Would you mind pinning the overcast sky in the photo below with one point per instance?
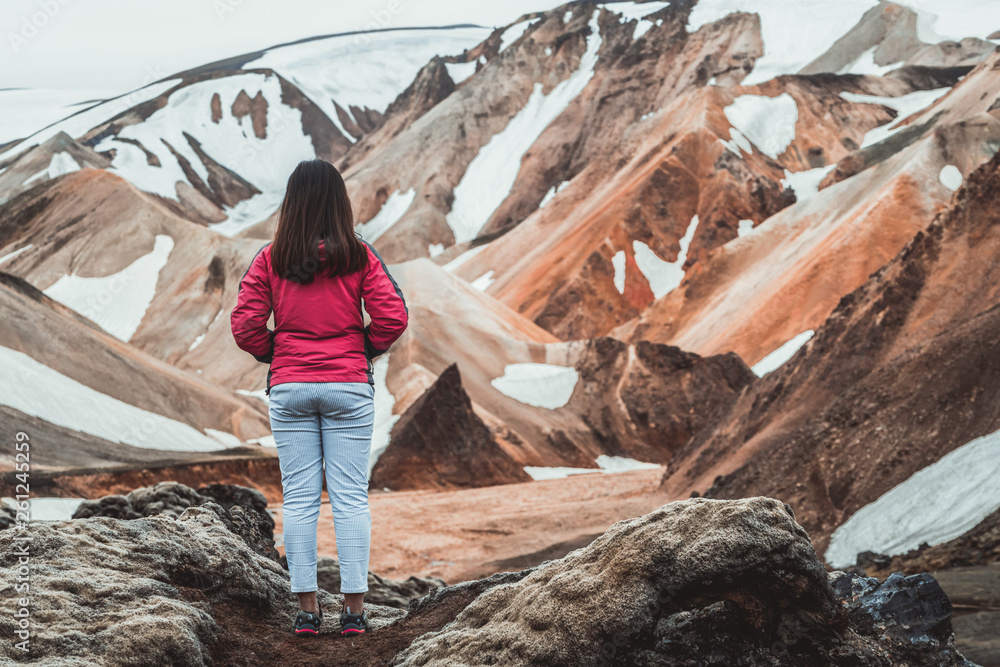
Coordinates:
(115, 44)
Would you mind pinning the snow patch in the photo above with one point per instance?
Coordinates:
(746, 227)
(266, 441)
(197, 341)
(227, 440)
(663, 276)
(491, 174)
(633, 11)
(60, 400)
(369, 72)
(937, 504)
(248, 213)
(12, 255)
(618, 262)
(34, 177)
(642, 27)
(483, 282)
(454, 264)
(954, 20)
(539, 473)
(260, 393)
(459, 72)
(777, 359)
(117, 303)
(606, 464)
(435, 249)
(551, 194)
(905, 105)
(738, 144)
(231, 142)
(806, 183)
(541, 385)
(865, 64)
(48, 508)
(384, 419)
(794, 32)
(622, 464)
(514, 33)
(391, 213)
(768, 122)
(951, 177)
(62, 163)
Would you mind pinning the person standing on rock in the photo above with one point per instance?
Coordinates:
(314, 278)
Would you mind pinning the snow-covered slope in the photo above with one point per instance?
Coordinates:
(218, 142)
(77, 123)
(28, 110)
(937, 504)
(366, 74)
(797, 33)
(65, 402)
(490, 176)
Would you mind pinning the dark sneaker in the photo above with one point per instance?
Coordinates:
(307, 623)
(353, 624)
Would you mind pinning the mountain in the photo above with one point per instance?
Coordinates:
(751, 249)
(216, 143)
(88, 400)
(893, 381)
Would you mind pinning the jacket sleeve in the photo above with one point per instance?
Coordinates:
(253, 308)
(385, 305)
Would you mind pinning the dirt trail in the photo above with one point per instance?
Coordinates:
(472, 533)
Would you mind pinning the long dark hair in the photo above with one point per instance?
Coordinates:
(316, 208)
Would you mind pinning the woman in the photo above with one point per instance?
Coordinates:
(314, 278)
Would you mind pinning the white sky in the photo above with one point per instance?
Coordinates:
(122, 44)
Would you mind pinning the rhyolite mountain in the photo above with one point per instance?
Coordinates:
(630, 235)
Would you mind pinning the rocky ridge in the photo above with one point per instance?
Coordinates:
(695, 581)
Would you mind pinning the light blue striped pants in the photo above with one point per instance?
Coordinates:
(319, 425)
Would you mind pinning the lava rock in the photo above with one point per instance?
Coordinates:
(184, 592)
(170, 498)
(697, 582)
(243, 510)
(388, 592)
(256, 528)
(8, 516)
(228, 495)
(914, 607)
(114, 506)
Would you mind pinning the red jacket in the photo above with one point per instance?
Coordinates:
(319, 333)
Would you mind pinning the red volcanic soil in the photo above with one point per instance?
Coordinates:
(472, 533)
